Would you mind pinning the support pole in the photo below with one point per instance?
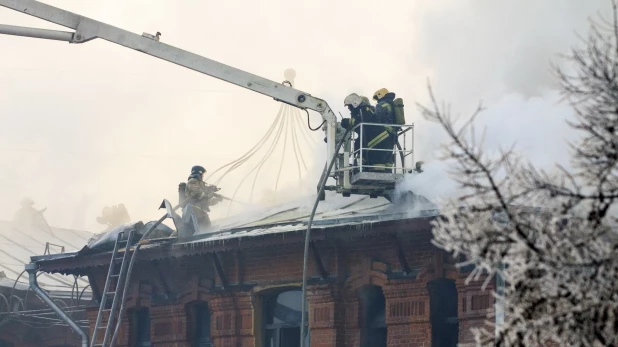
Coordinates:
(321, 186)
(36, 33)
(32, 269)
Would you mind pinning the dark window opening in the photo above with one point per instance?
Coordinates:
(139, 331)
(443, 313)
(480, 302)
(282, 319)
(198, 329)
(372, 316)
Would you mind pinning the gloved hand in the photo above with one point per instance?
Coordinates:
(216, 199)
(345, 123)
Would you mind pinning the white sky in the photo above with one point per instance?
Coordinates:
(98, 124)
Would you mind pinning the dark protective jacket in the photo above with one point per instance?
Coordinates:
(385, 109)
(364, 113)
(385, 137)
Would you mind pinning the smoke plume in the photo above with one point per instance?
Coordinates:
(100, 120)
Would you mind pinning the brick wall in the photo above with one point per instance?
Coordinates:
(475, 307)
(333, 303)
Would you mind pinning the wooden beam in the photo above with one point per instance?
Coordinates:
(318, 260)
(240, 267)
(159, 271)
(217, 263)
(94, 285)
(401, 255)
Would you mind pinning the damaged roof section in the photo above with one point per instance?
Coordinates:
(333, 212)
(19, 243)
(252, 228)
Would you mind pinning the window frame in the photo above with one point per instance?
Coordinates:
(368, 324)
(192, 320)
(136, 328)
(270, 297)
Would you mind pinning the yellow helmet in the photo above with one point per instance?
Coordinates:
(380, 93)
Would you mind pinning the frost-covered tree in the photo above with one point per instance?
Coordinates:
(559, 260)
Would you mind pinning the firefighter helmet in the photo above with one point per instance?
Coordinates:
(380, 93)
(197, 171)
(353, 99)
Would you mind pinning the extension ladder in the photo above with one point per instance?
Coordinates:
(114, 276)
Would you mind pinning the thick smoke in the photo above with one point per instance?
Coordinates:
(500, 54)
(100, 120)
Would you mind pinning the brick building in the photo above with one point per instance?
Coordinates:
(24, 319)
(375, 279)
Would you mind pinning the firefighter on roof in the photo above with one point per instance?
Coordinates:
(200, 196)
(29, 217)
(114, 216)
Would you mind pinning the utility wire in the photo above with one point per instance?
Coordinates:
(262, 161)
(297, 154)
(286, 121)
(309, 123)
(248, 154)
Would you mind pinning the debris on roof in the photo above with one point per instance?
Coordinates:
(335, 211)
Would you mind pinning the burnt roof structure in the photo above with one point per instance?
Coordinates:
(285, 223)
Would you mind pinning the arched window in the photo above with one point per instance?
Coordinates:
(282, 319)
(372, 316)
(139, 329)
(198, 327)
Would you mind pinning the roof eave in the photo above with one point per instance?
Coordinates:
(76, 264)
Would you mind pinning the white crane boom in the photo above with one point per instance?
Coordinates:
(349, 179)
(87, 29)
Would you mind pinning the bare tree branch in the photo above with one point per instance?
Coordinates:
(561, 263)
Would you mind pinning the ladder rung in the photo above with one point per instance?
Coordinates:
(118, 258)
(116, 275)
(112, 293)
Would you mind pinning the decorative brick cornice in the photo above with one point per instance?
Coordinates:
(367, 272)
(407, 310)
(197, 289)
(140, 295)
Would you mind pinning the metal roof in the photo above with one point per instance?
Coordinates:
(17, 245)
(334, 211)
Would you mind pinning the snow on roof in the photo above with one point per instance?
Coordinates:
(17, 245)
(334, 211)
